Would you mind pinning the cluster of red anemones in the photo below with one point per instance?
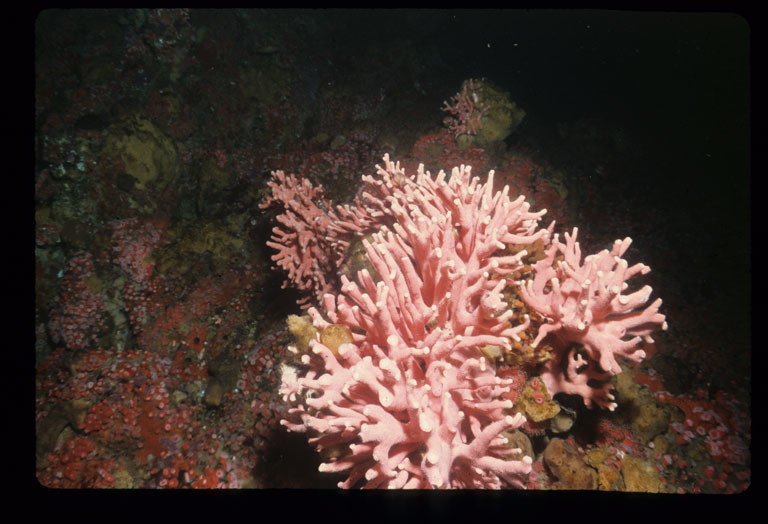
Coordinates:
(133, 416)
(159, 420)
(78, 315)
(539, 477)
(210, 478)
(200, 459)
(679, 470)
(138, 304)
(221, 449)
(164, 333)
(718, 423)
(267, 411)
(611, 434)
(165, 326)
(540, 394)
(129, 387)
(125, 390)
(144, 413)
(70, 458)
(103, 416)
(145, 300)
(212, 293)
(724, 479)
(718, 426)
(133, 241)
(517, 375)
(255, 386)
(78, 464)
(187, 473)
(430, 150)
(208, 457)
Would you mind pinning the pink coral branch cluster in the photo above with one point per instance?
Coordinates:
(303, 248)
(465, 111)
(589, 304)
(312, 242)
(412, 401)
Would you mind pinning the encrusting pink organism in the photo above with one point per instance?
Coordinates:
(586, 305)
(412, 402)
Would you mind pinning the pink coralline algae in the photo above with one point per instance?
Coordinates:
(412, 401)
(588, 304)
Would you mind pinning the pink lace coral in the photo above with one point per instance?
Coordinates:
(409, 400)
(303, 249)
(465, 111)
(412, 401)
(585, 303)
